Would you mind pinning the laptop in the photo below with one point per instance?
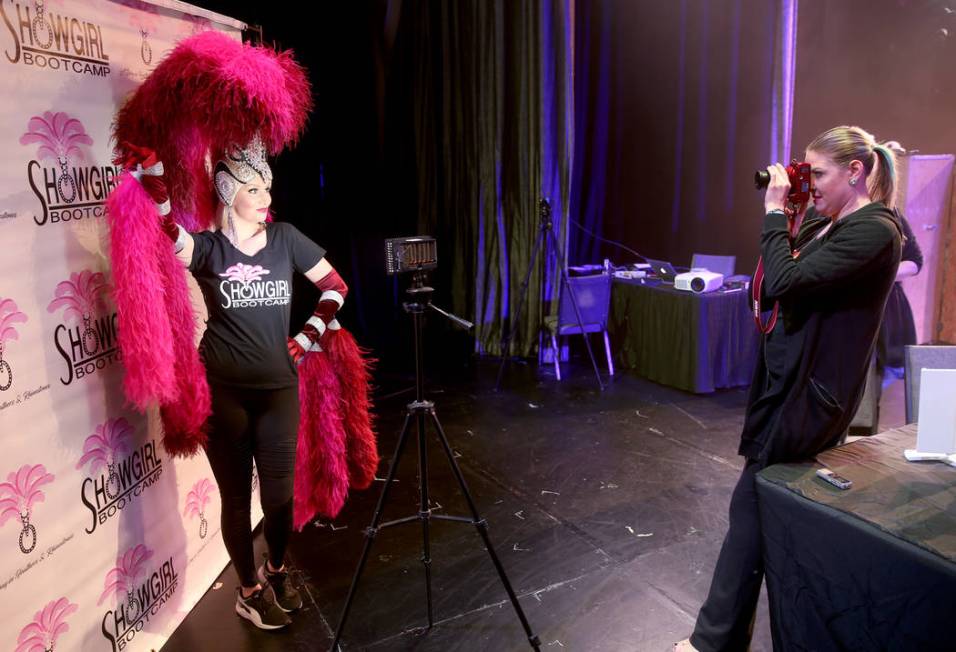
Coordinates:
(662, 269)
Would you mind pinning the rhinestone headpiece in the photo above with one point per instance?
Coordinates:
(239, 167)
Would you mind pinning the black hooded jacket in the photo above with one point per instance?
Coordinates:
(811, 369)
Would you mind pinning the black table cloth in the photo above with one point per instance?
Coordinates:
(870, 568)
(695, 342)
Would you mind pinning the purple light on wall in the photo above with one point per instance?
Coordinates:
(781, 112)
(733, 73)
(556, 132)
(702, 131)
(679, 136)
(504, 266)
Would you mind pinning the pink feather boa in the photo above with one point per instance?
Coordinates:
(155, 319)
(336, 448)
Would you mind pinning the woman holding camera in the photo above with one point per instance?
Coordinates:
(830, 281)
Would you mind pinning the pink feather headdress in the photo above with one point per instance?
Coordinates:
(209, 94)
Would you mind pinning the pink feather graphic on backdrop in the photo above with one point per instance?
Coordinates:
(59, 137)
(18, 495)
(108, 443)
(9, 315)
(82, 296)
(124, 577)
(48, 625)
(245, 274)
(196, 501)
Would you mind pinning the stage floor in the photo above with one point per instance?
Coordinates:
(606, 509)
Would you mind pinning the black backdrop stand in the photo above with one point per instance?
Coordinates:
(545, 233)
(417, 411)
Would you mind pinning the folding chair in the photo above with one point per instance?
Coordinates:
(593, 295)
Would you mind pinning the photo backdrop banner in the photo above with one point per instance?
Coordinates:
(105, 542)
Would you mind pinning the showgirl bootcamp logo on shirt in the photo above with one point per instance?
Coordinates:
(244, 287)
(118, 471)
(18, 495)
(9, 317)
(89, 343)
(44, 37)
(47, 626)
(65, 189)
(140, 591)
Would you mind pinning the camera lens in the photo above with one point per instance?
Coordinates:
(761, 179)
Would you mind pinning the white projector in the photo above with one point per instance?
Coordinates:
(698, 280)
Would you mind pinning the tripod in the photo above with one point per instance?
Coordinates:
(418, 410)
(545, 233)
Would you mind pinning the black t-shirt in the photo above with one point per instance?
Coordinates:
(249, 300)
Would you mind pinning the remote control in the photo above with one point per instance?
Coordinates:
(837, 481)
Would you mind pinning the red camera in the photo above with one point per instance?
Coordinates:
(799, 173)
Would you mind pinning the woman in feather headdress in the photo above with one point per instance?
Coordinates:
(215, 99)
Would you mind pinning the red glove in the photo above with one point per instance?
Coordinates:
(296, 352)
(146, 168)
(334, 291)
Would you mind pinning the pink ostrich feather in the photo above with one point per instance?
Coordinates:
(48, 624)
(145, 332)
(211, 93)
(156, 322)
(352, 369)
(184, 419)
(321, 469)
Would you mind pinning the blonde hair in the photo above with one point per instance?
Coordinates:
(845, 144)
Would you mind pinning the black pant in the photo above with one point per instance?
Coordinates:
(260, 425)
(725, 622)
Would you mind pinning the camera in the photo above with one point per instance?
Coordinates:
(799, 173)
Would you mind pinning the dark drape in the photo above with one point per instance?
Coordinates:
(450, 119)
(476, 97)
(673, 114)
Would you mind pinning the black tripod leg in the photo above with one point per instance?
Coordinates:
(372, 529)
(482, 526)
(522, 299)
(424, 513)
(577, 311)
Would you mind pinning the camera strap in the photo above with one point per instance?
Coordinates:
(758, 284)
(755, 296)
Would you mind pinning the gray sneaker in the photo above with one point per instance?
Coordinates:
(261, 611)
(286, 595)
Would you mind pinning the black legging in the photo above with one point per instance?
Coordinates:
(725, 621)
(255, 424)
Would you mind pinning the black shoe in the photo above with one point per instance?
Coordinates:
(261, 611)
(286, 596)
